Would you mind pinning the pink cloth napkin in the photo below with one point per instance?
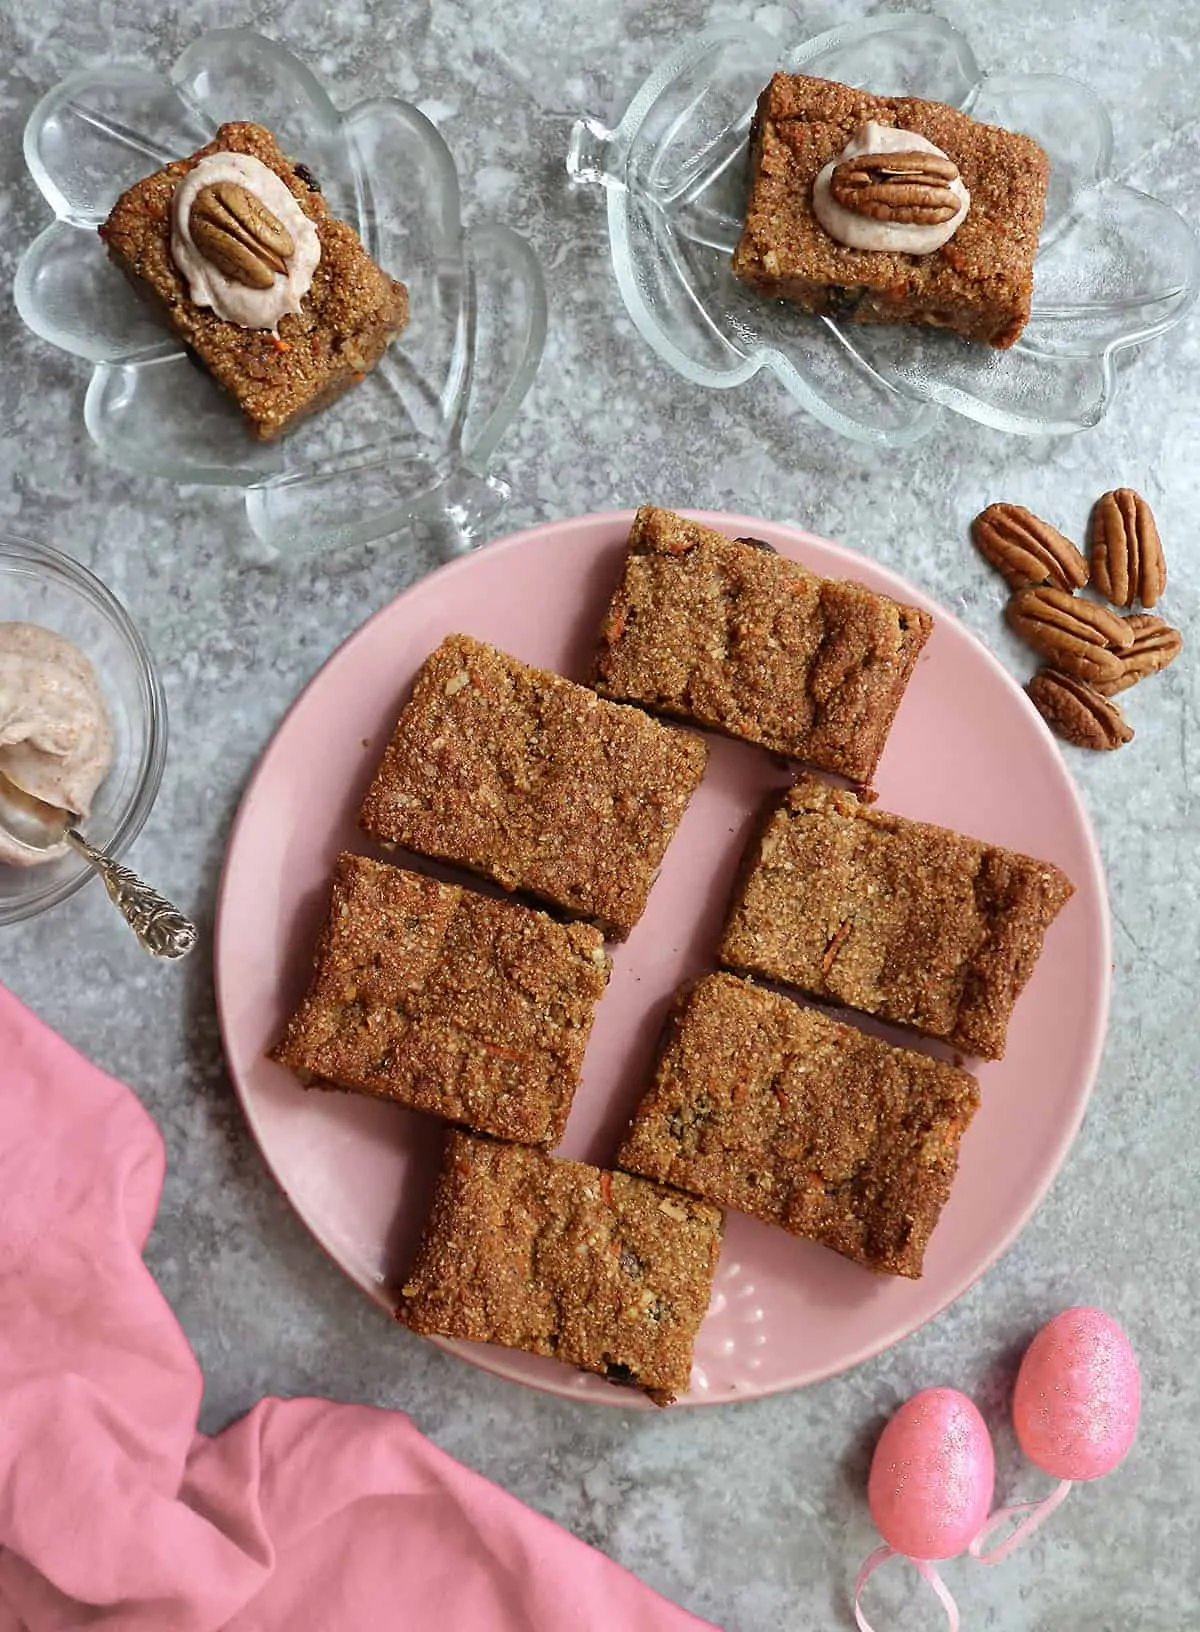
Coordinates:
(115, 1512)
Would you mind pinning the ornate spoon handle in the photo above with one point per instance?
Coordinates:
(160, 928)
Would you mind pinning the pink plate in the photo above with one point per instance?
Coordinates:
(967, 750)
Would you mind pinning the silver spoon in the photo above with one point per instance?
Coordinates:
(160, 928)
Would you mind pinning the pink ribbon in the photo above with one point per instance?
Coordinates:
(924, 1569)
(1035, 1512)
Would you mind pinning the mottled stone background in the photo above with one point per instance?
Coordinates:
(753, 1516)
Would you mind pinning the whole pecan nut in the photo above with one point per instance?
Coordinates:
(1077, 712)
(1025, 550)
(1126, 551)
(1155, 644)
(909, 187)
(1078, 637)
(239, 235)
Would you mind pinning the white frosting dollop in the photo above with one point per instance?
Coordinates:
(56, 737)
(860, 231)
(207, 285)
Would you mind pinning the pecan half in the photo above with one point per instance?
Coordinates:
(908, 187)
(1155, 644)
(1079, 637)
(1126, 551)
(1077, 712)
(238, 233)
(1025, 550)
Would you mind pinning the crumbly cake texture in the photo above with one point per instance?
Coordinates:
(534, 782)
(782, 1113)
(349, 316)
(600, 1270)
(729, 635)
(979, 284)
(448, 1001)
(914, 923)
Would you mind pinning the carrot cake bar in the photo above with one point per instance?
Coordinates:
(729, 635)
(782, 1113)
(600, 1270)
(270, 293)
(534, 782)
(448, 1001)
(914, 923)
(881, 209)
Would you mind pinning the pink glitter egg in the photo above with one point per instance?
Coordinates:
(1078, 1396)
(932, 1475)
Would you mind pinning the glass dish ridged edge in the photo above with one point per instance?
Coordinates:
(1115, 267)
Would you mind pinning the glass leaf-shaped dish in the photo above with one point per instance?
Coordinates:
(1115, 268)
(414, 439)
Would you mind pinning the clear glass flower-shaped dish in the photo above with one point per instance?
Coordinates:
(1115, 268)
(414, 439)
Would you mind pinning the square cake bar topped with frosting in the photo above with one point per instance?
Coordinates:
(877, 209)
(271, 294)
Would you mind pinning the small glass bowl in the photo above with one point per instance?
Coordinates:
(1115, 268)
(414, 439)
(41, 585)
